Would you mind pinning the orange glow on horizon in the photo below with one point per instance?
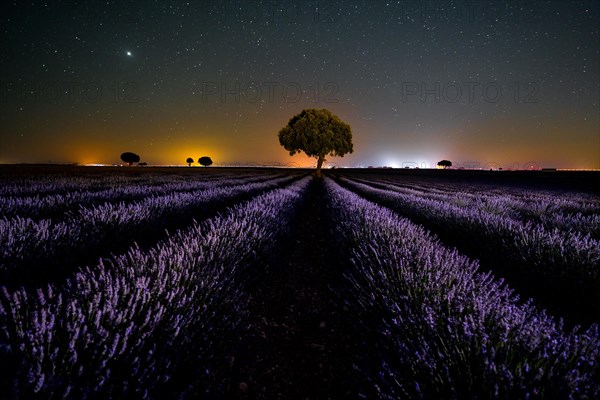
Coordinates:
(509, 143)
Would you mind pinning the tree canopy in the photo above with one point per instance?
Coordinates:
(318, 133)
(205, 161)
(444, 163)
(130, 158)
(189, 161)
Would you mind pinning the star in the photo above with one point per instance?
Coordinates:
(262, 62)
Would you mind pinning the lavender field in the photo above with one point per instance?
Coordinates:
(229, 283)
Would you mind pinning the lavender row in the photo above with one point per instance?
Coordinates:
(443, 329)
(490, 211)
(57, 184)
(529, 200)
(568, 201)
(568, 214)
(148, 323)
(14, 184)
(579, 212)
(55, 205)
(91, 232)
(556, 259)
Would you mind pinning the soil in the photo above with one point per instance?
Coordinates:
(303, 343)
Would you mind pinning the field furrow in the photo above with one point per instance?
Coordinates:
(35, 251)
(577, 214)
(222, 283)
(302, 339)
(150, 323)
(439, 328)
(565, 266)
(56, 206)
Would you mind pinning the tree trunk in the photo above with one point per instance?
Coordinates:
(319, 165)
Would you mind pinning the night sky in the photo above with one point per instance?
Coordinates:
(483, 84)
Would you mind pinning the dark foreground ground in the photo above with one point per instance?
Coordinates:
(303, 343)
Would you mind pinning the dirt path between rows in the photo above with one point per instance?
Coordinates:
(302, 344)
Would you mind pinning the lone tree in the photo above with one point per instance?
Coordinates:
(130, 158)
(318, 133)
(445, 164)
(189, 161)
(205, 161)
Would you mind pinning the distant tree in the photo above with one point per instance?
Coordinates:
(130, 158)
(318, 133)
(444, 163)
(190, 161)
(205, 161)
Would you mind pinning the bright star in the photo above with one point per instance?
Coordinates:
(129, 53)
